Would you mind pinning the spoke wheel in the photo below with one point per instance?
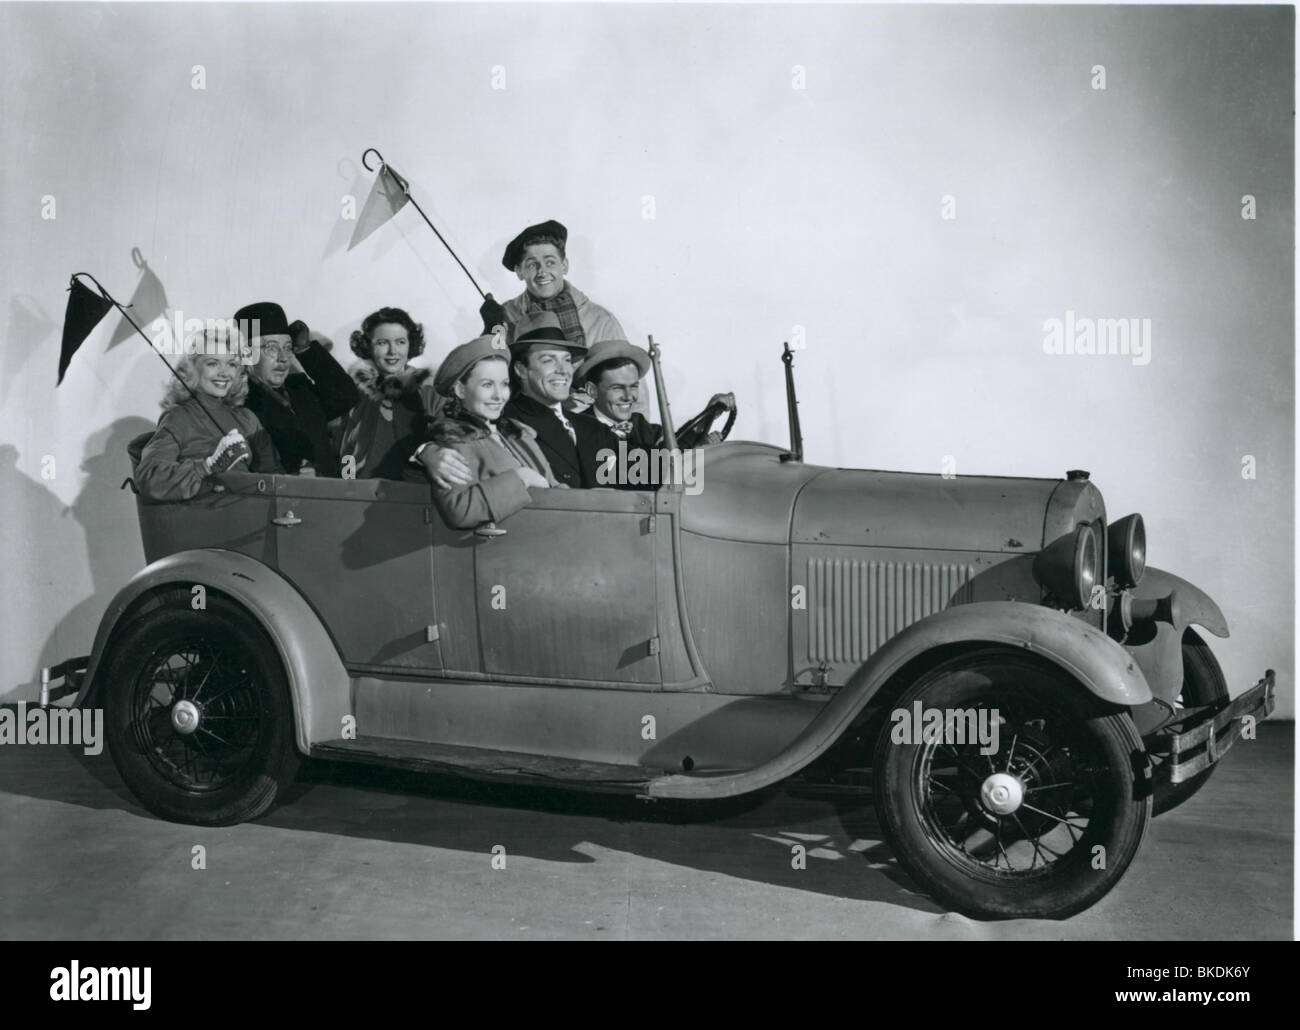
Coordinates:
(1040, 819)
(199, 721)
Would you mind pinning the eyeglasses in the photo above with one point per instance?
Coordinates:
(277, 350)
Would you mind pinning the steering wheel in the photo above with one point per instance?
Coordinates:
(698, 428)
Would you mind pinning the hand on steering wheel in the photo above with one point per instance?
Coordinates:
(697, 429)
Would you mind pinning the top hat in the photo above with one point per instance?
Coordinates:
(266, 317)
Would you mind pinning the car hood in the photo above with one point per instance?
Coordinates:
(747, 493)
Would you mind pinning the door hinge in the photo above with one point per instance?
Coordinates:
(651, 523)
(431, 634)
(428, 516)
(652, 645)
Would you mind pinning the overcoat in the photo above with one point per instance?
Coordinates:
(497, 491)
(171, 465)
(298, 415)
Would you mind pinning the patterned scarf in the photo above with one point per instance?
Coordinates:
(565, 310)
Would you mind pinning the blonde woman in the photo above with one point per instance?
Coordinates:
(187, 450)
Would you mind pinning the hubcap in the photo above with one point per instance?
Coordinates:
(185, 717)
(1002, 793)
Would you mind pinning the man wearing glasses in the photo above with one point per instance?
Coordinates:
(295, 408)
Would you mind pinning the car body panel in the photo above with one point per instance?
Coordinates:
(1099, 664)
(660, 731)
(858, 508)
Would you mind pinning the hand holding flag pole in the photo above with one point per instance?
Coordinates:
(85, 311)
(388, 196)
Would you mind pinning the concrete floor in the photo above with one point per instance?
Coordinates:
(364, 853)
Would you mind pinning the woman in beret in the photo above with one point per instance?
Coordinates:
(396, 402)
(188, 449)
(502, 454)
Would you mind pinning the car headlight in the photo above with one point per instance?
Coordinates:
(1126, 542)
(1069, 567)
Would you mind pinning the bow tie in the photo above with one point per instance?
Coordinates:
(621, 429)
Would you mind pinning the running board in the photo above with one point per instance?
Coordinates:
(484, 764)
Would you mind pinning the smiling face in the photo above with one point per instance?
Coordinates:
(543, 269)
(389, 348)
(218, 374)
(617, 392)
(546, 374)
(275, 361)
(485, 388)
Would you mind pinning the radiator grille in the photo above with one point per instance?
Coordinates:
(854, 606)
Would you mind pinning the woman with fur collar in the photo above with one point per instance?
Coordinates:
(502, 454)
(397, 402)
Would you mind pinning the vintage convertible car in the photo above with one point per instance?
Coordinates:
(786, 620)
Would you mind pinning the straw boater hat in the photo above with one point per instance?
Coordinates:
(608, 350)
(464, 357)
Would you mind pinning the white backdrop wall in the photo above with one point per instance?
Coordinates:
(774, 207)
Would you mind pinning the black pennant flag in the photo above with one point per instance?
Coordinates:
(85, 310)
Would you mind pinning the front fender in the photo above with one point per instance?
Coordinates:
(1193, 605)
(318, 682)
(1103, 668)
(1160, 652)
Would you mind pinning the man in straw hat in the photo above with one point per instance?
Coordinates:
(611, 375)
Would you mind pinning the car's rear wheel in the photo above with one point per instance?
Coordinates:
(1203, 684)
(1042, 826)
(197, 712)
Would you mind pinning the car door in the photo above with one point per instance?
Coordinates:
(568, 593)
(359, 551)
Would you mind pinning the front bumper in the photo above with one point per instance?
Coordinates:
(1201, 736)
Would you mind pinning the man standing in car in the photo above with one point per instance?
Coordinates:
(537, 257)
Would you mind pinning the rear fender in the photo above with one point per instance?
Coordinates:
(1099, 664)
(318, 682)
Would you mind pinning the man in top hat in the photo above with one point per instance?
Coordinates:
(542, 360)
(295, 408)
(611, 375)
(537, 257)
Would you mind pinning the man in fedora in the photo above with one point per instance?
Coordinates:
(611, 375)
(537, 257)
(295, 407)
(541, 363)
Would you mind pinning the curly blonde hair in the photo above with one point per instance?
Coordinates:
(216, 340)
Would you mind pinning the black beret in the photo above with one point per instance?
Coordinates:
(515, 248)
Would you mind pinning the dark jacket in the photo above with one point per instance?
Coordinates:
(297, 416)
(573, 465)
(388, 422)
(497, 491)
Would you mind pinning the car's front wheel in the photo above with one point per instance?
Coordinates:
(197, 712)
(1037, 816)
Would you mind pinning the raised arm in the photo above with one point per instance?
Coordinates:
(337, 390)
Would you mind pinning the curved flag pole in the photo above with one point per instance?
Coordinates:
(85, 321)
(406, 190)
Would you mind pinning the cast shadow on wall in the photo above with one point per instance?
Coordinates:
(99, 534)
